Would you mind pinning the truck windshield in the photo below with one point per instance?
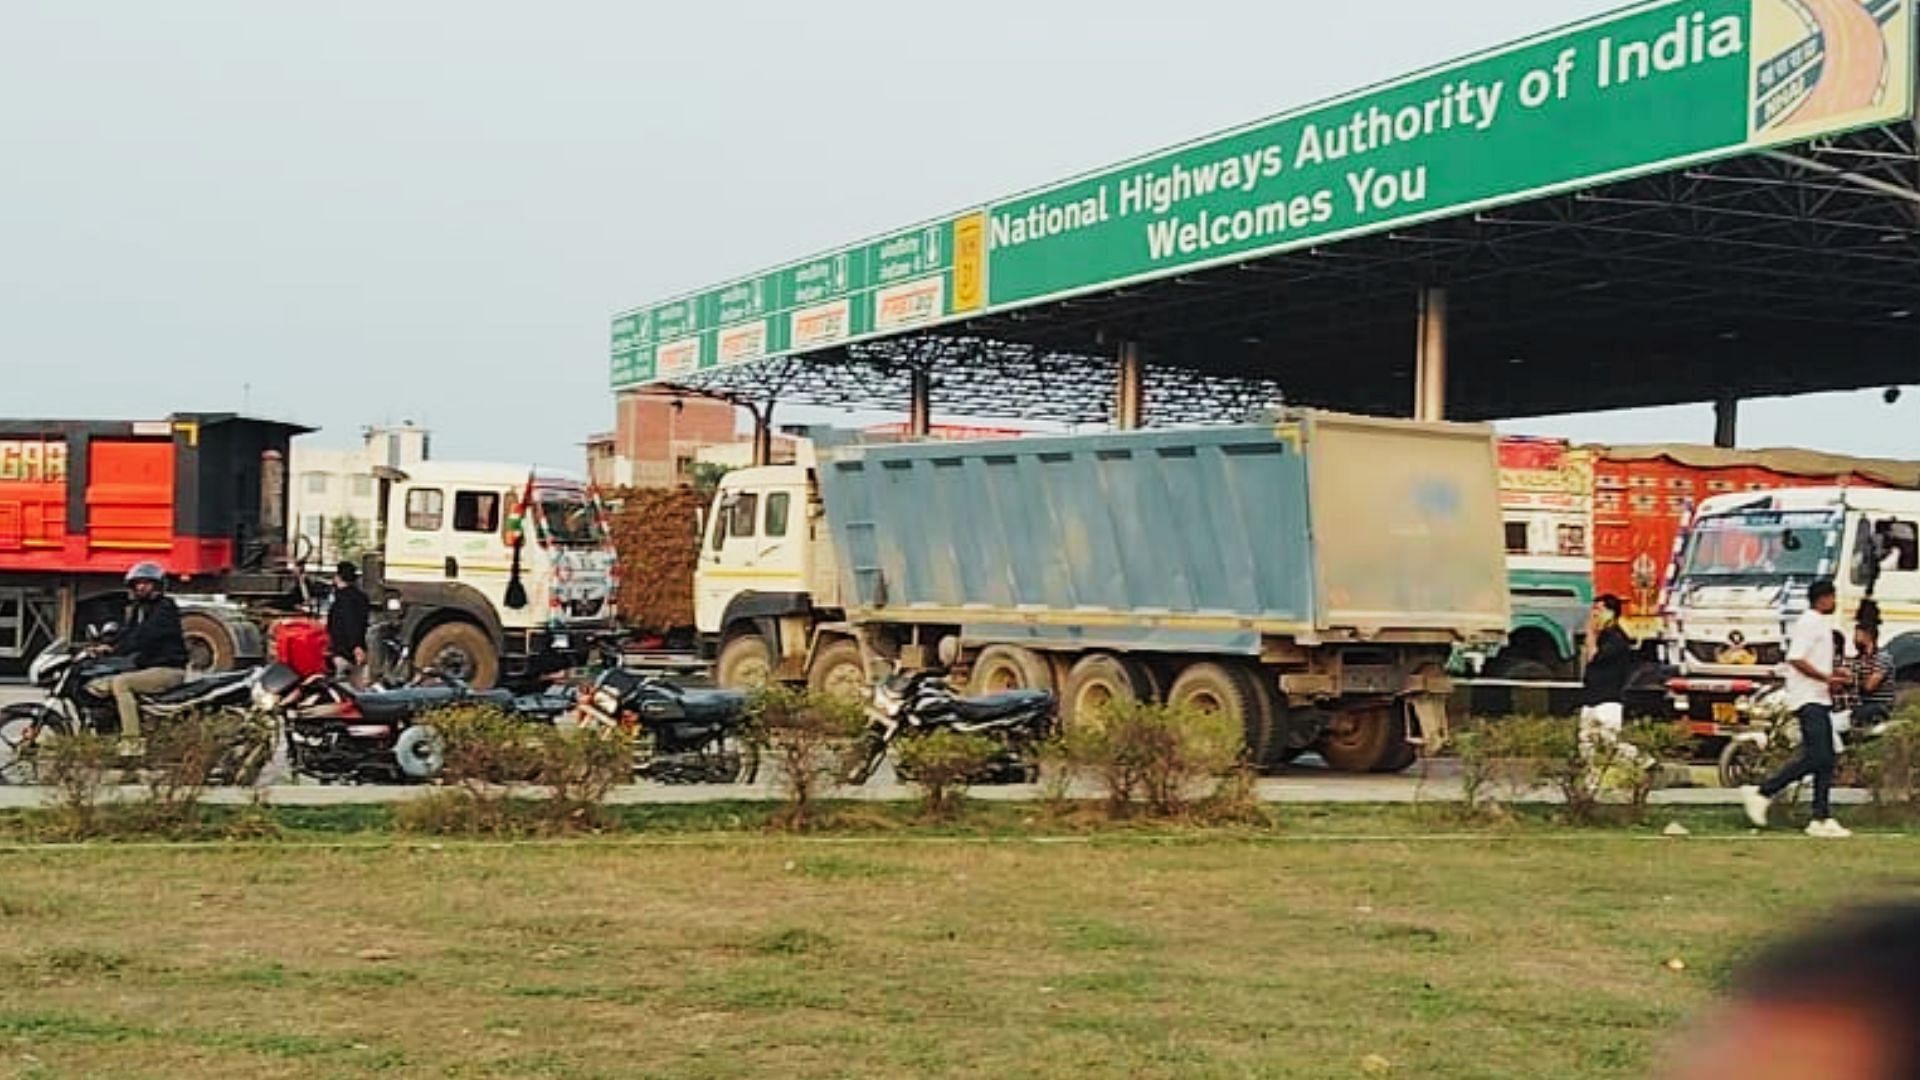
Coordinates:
(1770, 545)
(569, 520)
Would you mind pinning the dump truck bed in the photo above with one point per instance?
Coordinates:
(1317, 525)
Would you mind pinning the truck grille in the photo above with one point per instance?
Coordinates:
(1765, 654)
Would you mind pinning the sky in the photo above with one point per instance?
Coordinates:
(367, 212)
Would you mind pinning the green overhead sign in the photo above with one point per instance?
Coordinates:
(1647, 89)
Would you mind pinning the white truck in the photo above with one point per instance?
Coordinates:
(498, 573)
(1741, 576)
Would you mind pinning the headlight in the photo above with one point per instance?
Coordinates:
(264, 699)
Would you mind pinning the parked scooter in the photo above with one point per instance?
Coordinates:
(681, 735)
(918, 704)
(64, 669)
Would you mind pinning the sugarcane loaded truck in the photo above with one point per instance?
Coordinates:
(1310, 577)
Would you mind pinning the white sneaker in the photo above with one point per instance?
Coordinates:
(1756, 805)
(1828, 829)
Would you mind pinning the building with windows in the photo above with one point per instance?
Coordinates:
(333, 495)
(658, 436)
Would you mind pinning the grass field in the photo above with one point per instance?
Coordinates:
(1526, 955)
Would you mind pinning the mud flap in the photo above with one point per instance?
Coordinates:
(1429, 728)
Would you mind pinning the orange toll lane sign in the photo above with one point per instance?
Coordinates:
(33, 461)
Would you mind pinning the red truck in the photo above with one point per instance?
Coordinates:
(204, 494)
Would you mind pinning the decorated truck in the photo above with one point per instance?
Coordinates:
(1743, 571)
(205, 495)
(1308, 578)
(1586, 521)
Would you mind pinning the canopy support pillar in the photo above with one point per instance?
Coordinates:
(1726, 423)
(1130, 403)
(920, 408)
(762, 433)
(1430, 359)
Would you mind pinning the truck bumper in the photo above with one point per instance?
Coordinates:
(1713, 707)
(534, 653)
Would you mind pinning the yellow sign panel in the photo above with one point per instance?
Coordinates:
(970, 263)
(33, 461)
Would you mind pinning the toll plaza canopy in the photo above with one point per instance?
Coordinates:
(1683, 200)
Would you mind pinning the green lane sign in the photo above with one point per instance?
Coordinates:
(1647, 89)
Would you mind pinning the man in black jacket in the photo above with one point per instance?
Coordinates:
(152, 638)
(347, 622)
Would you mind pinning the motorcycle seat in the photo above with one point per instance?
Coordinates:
(414, 700)
(710, 705)
(193, 688)
(995, 706)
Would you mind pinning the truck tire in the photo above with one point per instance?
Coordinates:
(459, 651)
(1267, 739)
(210, 647)
(839, 671)
(1366, 740)
(745, 664)
(1000, 668)
(1098, 680)
(1227, 690)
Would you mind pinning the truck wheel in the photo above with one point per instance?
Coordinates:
(460, 651)
(1009, 667)
(1100, 680)
(210, 647)
(745, 664)
(1229, 691)
(1366, 740)
(839, 672)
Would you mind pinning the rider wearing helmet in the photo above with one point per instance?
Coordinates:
(151, 636)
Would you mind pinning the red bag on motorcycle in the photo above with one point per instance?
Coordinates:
(301, 644)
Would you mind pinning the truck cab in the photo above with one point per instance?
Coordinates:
(1741, 580)
(500, 572)
(766, 573)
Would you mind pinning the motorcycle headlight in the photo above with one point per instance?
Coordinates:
(264, 699)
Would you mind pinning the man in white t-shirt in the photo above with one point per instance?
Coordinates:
(1811, 662)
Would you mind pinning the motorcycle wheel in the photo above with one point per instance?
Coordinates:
(872, 753)
(23, 731)
(1742, 762)
(420, 752)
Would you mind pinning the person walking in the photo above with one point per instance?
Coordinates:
(347, 620)
(1609, 655)
(1810, 677)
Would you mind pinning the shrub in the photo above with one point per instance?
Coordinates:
(505, 776)
(811, 738)
(1522, 754)
(1153, 755)
(490, 757)
(942, 764)
(75, 769)
(1890, 764)
(579, 767)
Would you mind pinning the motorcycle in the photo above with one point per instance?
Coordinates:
(918, 704)
(337, 734)
(1746, 758)
(64, 670)
(681, 735)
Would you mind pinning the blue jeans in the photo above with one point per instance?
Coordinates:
(1816, 760)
